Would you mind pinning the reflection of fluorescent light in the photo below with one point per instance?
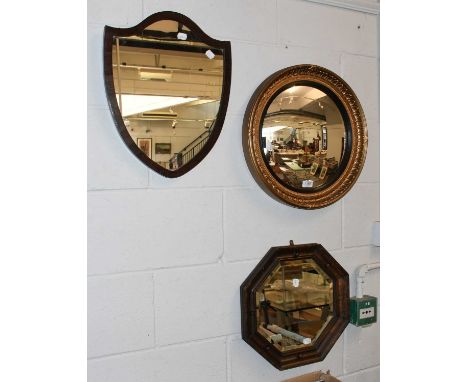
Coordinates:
(155, 76)
(203, 101)
(270, 130)
(134, 103)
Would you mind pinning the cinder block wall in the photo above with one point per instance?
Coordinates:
(167, 257)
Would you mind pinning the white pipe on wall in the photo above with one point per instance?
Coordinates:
(361, 273)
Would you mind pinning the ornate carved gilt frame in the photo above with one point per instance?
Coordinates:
(355, 130)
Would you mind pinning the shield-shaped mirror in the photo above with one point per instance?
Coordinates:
(167, 85)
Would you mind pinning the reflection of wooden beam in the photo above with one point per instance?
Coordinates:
(287, 333)
(181, 47)
(208, 72)
(160, 35)
(270, 336)
(294, 112)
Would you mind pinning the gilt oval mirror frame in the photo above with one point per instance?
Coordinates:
(305, 136)
(167, 85)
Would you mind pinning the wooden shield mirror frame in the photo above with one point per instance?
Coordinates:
(305, 136)
(167, 85)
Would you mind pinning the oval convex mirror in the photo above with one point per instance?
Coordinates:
(167, 85)
(305, 136)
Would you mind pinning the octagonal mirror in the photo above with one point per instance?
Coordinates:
(167, 84)
(295, 305)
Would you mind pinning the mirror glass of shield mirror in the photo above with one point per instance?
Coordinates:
(303, 138)
(294, 304)
(168, 87)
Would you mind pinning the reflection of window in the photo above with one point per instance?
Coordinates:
(162, 148)
(324, 138)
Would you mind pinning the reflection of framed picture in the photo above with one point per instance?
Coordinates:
(145, 144)
(162, 148)
(323, 172)
(313, 168)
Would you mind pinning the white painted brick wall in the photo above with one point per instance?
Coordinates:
(252, 219)
(368, 375)
(206, 360)
(146, 229)
(249, 366)
(120, 314)
(167, 256)
(360, 210)
(198, 302)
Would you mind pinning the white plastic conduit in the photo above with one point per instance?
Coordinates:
(361, 273)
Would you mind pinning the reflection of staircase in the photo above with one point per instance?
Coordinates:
(292, 137)
(193, 148)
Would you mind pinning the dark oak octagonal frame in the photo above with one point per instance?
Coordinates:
(355, 130)
(330, 334)
(196, 32)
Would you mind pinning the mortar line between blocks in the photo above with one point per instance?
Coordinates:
(121, 354)
(223, 234)
(153, 275)
(155, 348)
(343, 355)
(359, 55)
(357, 372)
(150, 270)
(340, 64)
(277, 23)
(190, 342)
(228, 360)
(171, 189)
(348, 7)
(360, 246)
(181, 267)
(342, 223)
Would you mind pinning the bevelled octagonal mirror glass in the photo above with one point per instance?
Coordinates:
(295, 305)
(167, 84)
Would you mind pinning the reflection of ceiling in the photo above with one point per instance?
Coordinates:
(302, 107)
(133, 103)
(167, 73)
(293, 121)
(163, 67)
(296, 98)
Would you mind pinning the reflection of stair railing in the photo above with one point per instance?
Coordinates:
(292, 137)
(192, 149)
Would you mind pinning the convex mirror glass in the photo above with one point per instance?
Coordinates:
(303, 138)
